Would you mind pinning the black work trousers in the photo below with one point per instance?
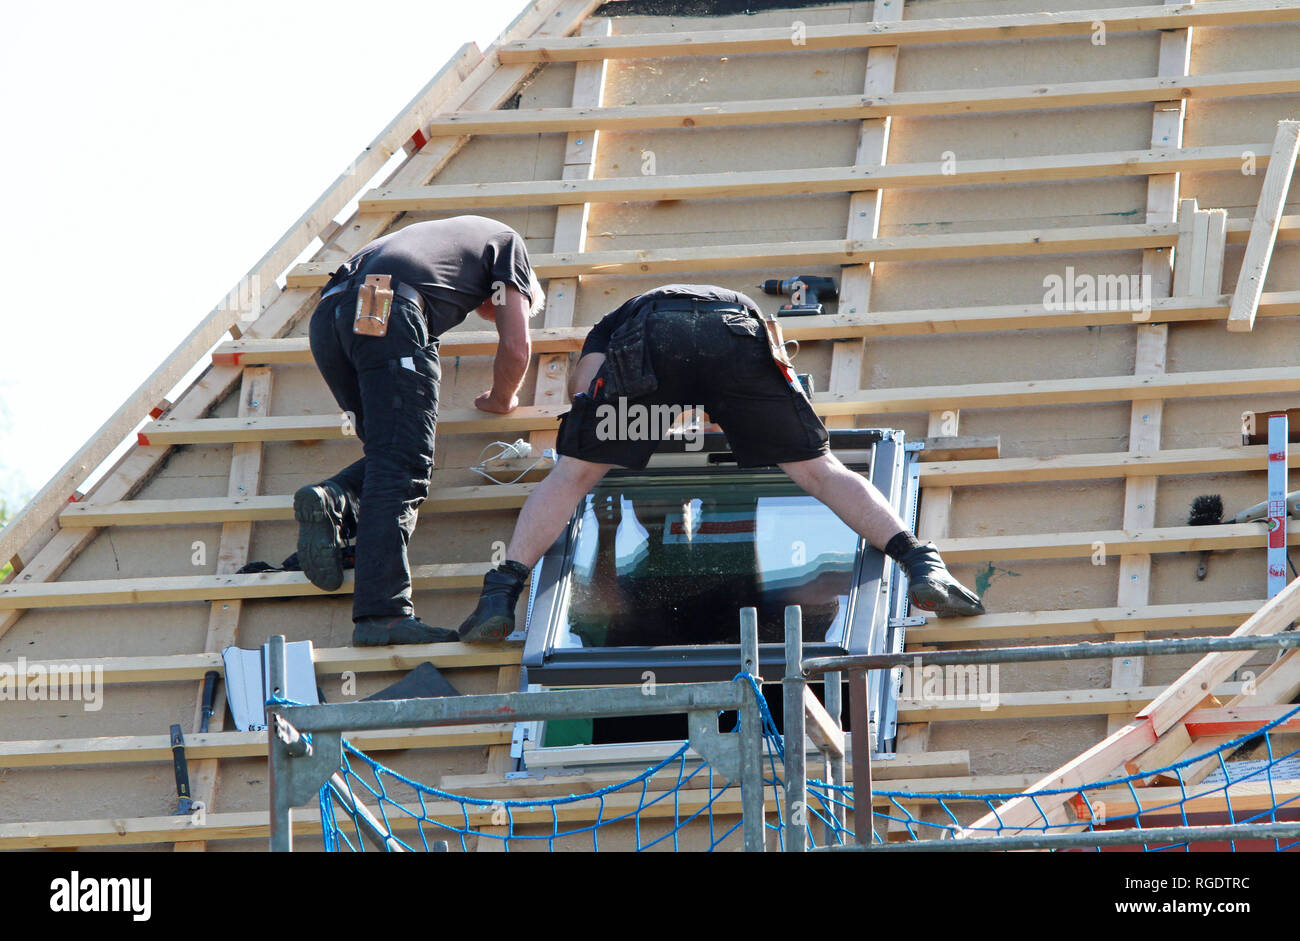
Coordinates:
(387, 388)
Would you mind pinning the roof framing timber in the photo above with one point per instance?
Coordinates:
(873, 324)
(48, 753)
(803, 181)
(1096, 238)
(866, 35)
(460, 575)
(1041, 392)
(1108, 757)
(168, 668)
(858, 107)
(957, 473)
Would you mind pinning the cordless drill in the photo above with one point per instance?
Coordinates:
(806, 290)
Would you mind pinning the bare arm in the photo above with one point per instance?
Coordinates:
(588, 366)
(513, 351)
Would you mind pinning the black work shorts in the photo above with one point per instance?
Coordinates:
(715, 360)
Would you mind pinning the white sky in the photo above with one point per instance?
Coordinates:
(152, 151)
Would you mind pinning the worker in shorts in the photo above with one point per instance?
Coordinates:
(693, 344)
(387, 386)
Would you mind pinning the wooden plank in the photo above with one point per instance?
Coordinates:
(929, 30)
(850, 252)
(646, 754)
(1042, 392)
(934, 517)
(232, 555)
(1099, 466)
(1163, 713)
(169, 668)
(1164, 752)
(937, 475)
(1247, 797)
(1183, 695)
(1030, 625)
(822, 730)
(1021, 625)
(1058, 545)
(50, 753)
(864, 212)
(1278, 683)
(1212, 269)
(252, 288)
(1146, 416)
(1236, 721)
(839, 326)
(126, 831)
(957, 447)
(1100, 760)
(274, 507)
(854, 107)
(1039, 704)
(857, 178)
(157, 589)
(1263, 230)
(552, 386)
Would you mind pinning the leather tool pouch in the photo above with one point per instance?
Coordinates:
(776, 343)
(631, 373)
(374, 304)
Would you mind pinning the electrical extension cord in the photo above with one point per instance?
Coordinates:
(520, 449)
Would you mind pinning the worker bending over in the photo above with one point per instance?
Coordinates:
(374, 337)
(692, 344)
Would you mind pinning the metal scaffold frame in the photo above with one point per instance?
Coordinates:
(305, 742)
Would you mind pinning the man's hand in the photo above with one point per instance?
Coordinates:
(488, 402)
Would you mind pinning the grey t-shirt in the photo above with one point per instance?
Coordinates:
(453, 263)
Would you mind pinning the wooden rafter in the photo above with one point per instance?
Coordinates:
(1162, 713)
(1263, 230)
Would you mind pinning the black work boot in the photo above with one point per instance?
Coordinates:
(494, 618)
(319, 510)
(931, 587)
(386, 629)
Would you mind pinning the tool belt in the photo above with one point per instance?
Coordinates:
(374, 300)
(631, 374)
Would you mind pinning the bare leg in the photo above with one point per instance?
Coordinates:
(852, 497)
(549, 507)
(856, 500)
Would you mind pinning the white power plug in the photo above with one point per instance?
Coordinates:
(520, 448)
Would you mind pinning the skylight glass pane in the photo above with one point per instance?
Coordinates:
(670, 562)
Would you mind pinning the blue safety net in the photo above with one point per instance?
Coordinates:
(680, 803)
